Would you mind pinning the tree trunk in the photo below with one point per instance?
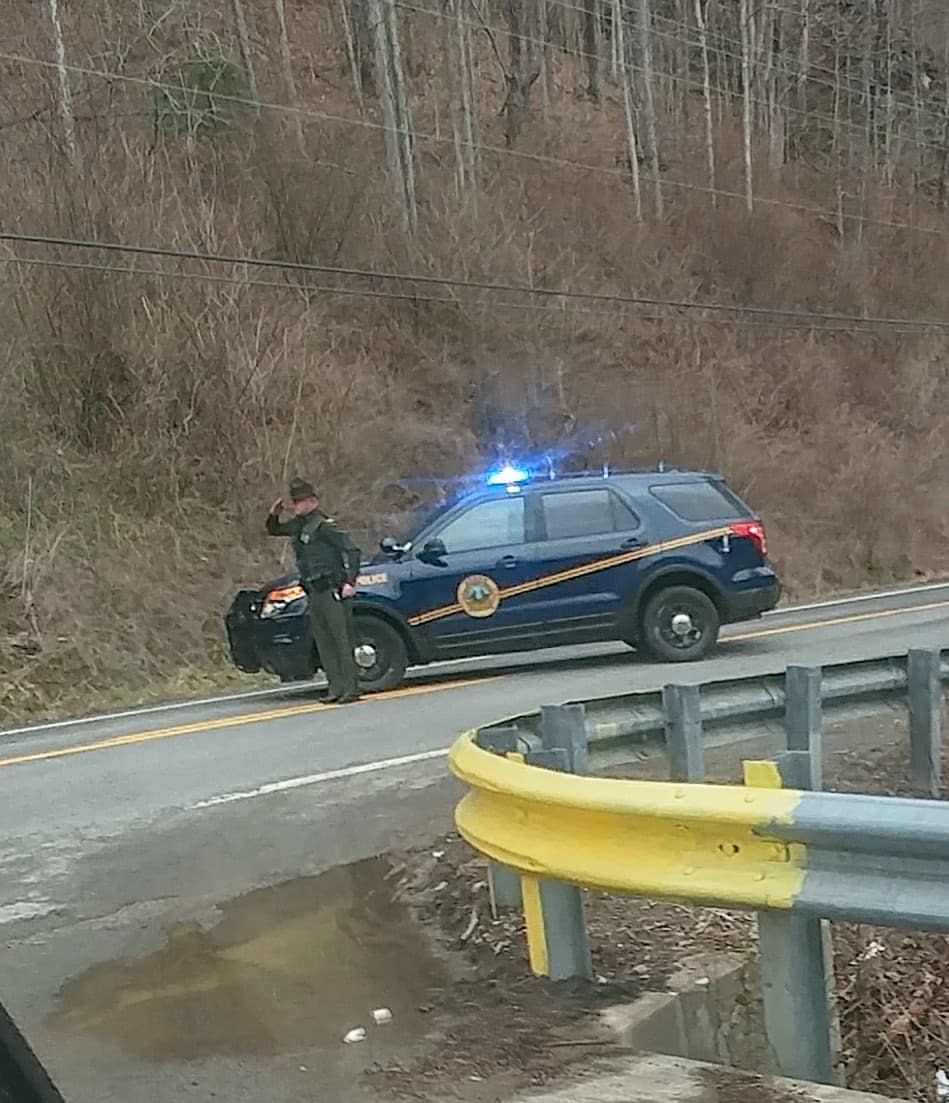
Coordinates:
(288, 79)
(352, 49)
(591, 47)
(65, 87)
(700, 20)
(458, 75)
(543, 34)
(746, 46)
(519, 79)
(632, 146)
(399, 139)
(645, 30)
(243, 40)
(888, 142)
(804, 58)
(777, 95)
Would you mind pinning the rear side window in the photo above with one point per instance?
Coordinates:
(574, 513)
(701, 501)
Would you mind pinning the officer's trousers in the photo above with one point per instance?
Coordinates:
(332, 622)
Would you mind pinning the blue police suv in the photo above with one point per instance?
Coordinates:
(658, 559)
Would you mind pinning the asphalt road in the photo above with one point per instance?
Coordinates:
(115, 828)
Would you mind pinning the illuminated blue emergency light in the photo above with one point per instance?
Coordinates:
(508, 476)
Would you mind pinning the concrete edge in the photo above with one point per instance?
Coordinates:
(652, 1078)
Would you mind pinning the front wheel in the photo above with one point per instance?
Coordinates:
(679, 625)
(381, 655)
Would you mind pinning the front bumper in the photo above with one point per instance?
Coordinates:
(280, 645)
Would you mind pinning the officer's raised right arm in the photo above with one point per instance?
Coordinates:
(274, 526)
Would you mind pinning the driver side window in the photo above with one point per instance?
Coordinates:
(487, 525)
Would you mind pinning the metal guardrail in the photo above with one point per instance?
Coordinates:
(867, 859)
(683, 718)
(796, 855)
(730, 707)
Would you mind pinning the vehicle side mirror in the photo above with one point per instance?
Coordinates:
(433, 551)
(391, 546)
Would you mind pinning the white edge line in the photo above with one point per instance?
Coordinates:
(293, 690)
(316, 779)
(856, 599)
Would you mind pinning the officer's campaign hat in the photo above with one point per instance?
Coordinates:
(300, 489)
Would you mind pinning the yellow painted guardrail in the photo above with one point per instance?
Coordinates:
(704, 843)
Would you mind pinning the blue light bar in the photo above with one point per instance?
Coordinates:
(508, 476)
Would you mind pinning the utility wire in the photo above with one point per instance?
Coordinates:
(429, 279)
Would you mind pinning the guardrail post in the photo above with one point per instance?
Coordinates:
(564, 727)
(504, 885)
(684, 746)
(923, 677)
(553, 912)
(796, 971)
(803, 720)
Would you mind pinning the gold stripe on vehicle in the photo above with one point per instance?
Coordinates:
(580, 571)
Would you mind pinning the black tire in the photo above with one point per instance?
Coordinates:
(665, 641)
(391, 654)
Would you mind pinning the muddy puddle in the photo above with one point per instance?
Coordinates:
(287, 969)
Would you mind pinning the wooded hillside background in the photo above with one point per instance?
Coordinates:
(711, 232)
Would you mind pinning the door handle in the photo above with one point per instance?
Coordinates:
(507, 561)
(632, 542)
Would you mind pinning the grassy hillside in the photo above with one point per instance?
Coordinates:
(154, 405)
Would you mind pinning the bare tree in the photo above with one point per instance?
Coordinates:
(399, 137)
(746, 48)
(519, 78)
(243, 40)
(632, 146)
(460, 92)
(777, 91)
(649, 101)
(804, 59)
(287, 57)
(545, 33)
(65, 88)
(591, 46)
(700, 21)
(354, 15)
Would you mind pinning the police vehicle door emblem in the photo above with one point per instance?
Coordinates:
(478, 595)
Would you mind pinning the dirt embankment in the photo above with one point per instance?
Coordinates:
(154, 406)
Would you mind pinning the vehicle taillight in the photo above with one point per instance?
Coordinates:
(754, 531)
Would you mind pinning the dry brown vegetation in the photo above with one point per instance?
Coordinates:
(147, 420)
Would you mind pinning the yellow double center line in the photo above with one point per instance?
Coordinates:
(225, 722)
(414, 691)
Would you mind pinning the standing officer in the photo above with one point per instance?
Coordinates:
(328, 563)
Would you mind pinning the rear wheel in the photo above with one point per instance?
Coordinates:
(381, 654)
(679, 625)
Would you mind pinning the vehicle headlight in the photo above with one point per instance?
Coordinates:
(277, 600)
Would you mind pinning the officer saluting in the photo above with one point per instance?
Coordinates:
(328, 563)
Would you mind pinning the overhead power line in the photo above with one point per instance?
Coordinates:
(495, 287)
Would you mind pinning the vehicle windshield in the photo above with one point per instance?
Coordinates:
(406, 518)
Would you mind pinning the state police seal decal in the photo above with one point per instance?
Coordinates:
(478, 595)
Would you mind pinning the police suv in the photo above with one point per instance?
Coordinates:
(658, 559)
